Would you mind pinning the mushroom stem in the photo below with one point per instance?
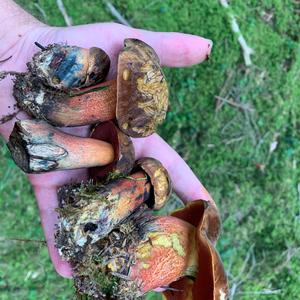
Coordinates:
(104, 206)
(38, 147)
(87, 106)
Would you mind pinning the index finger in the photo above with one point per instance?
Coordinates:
(174, 49)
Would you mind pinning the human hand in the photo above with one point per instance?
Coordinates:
(174, 50)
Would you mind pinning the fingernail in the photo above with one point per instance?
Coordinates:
(209, 46)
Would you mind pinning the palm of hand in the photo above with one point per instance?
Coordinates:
(174, 49)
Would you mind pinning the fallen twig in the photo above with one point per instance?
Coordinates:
(3, 239)
(247, 51)
(63, 11)
(116, 13)
(262, 292)
(41, 10)
(224, 90)
(242, 276)
(235, 104)
(233, 140)
(290, 253)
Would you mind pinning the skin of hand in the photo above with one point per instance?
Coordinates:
(174, 50)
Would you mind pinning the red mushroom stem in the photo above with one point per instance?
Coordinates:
(38, 147)
(87, 106)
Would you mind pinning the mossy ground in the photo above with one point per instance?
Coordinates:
(247, 156)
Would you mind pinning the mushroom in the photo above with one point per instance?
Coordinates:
(165, 253)
(138, 98)
(160, 180)
(38, 147)
(123, 151)
(155, 171)
(146, 252)
(67, 67)
(211, 281)
(107, 204)
(90, 212)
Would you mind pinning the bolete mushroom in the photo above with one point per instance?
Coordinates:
(38, 147)
(211, 282)
(107, 204)
(146, 252)
(152, 168)
(90, 212)
(160, 180)
(138, 98)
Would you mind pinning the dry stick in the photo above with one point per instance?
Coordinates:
(298, 194)
(23, 240)
(235, 104)
(238, 280)
(219, 103)
(116, 13)
(63, 11)
(290, 254)
(40, 9)
(247, 51)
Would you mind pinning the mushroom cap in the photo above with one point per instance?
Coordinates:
(123, 149)
(169, 256)
(159, 178)
(142, 90)
(211, 282)
(68, 67)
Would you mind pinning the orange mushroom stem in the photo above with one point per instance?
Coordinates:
(87, 106)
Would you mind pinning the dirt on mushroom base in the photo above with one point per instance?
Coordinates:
(100, 269)
(115, 252)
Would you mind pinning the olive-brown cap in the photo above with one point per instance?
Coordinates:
(142, 90)
(123, 150)
(159, 178)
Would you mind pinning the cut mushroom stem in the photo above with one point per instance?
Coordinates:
(38, 147)
(97, 209)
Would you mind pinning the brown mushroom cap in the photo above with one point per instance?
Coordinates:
(159, 178)
(142, 90)
(211, 282)
(123, 150)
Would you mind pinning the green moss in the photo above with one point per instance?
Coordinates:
(227, 148)
(107, 283)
